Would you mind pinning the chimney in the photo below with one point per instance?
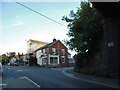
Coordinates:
(54, 40)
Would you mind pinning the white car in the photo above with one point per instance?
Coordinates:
(1, 70)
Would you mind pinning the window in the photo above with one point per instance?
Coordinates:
(53, 60)
(63, 59)
(43, 50)
(62, 51)
(44, 60)
(71, 60)
(53, 51)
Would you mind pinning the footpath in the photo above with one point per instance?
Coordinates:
(112, 83)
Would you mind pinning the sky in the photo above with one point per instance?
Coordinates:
(18, 24)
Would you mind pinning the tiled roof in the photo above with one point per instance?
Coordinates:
(47, 46)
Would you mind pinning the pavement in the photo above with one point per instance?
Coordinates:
(112, 83)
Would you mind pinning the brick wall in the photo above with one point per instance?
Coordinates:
(58, 47)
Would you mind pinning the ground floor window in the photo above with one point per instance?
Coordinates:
(44, 60)
(53, 60)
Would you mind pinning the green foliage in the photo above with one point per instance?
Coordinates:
(85, 29)
(11, 54)
(4, 58)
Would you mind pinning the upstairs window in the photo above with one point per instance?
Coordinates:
(63, 51)
(43, 50)
(63, 59)
(53, 50)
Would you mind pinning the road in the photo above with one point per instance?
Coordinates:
(40, 77)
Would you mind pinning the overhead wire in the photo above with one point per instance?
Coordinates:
(39, 13)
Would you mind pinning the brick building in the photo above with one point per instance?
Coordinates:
(52, 54)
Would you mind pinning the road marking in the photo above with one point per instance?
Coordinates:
(99, 83)
(54, 69)
(70, 75)
(8, 68)
(3, 84)
(30, 81)
(19, 70)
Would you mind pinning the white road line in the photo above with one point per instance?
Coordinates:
(8, 68)
(3, 84)
(99, 83)
(30, 81)
(70, 75)
(19, 70)
(54, 69)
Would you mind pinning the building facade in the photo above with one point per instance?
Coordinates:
(52, 54)
(32, 45)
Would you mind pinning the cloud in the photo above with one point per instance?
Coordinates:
(17, 23)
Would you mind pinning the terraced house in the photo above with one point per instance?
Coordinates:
(52, 54)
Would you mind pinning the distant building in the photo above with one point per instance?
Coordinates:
(71, 60)
(52, 54)
(32, 45)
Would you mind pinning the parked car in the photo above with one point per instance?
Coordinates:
(1, 70)
(11, 64)
(17, 63)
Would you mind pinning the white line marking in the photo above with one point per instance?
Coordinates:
(19, 70)
(70, 75)
(54, 69)
(99, 83)
(8, 68)
(30, 81)
(3, 84)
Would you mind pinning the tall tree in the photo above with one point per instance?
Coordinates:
(4, 58)
(85, 28)
(11, 54)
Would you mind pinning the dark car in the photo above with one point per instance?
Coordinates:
(17, 63)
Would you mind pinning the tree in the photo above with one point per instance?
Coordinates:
(85, 29)
(4, 58)
(11, 54)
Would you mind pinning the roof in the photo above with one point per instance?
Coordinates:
(69, 53)
(48, 45)
(36, 41)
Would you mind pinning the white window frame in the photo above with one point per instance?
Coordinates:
(43, 60)
(63, 51)
(62, 59)
(39, 53)
(53, 56)
(43, 50)
(53, 50)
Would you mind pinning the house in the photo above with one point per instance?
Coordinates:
(71, 60)
(52, 54)
(32, 45)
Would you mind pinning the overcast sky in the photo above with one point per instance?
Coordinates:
(20, 24)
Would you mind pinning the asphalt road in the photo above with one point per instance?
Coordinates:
(39, 77)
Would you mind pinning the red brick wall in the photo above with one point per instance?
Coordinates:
(58, 47)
